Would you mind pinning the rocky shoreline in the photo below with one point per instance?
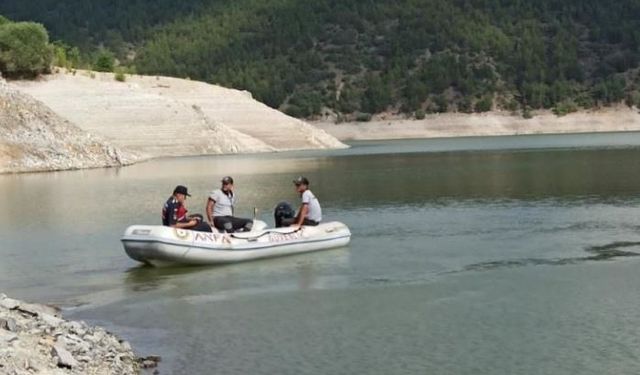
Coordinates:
(35, 339)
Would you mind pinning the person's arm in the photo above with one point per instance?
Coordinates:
(210, 204)
(181, 220)
(304, 210)
(185, 224)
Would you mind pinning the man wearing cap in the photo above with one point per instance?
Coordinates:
(220, 207)
(310, 212)
(174, 213)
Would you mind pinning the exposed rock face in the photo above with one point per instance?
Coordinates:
(84, 119)
(34, 138)
(34, 339)
(161, 116)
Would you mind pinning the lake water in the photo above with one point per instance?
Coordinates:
(511, 255)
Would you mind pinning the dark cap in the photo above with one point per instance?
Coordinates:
(181, 190)
(227, 180)
(301, 180)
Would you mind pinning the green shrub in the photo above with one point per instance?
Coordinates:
(484, 104)
(60, 55)
(120, 76)
(294, 111)
(565, 107)
(420, 114)
(465, 105)
(633, 99)
(105, 61)
(442, 104)
(363, 117)
(585, 100)
(511, 105)
(24, 49)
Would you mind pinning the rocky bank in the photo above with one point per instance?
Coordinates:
(163, 116)
(34, 339)
(83, 119)
(34, 138)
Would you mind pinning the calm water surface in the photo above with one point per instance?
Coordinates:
(514, 255)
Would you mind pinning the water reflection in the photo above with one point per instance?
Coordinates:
(316, 270)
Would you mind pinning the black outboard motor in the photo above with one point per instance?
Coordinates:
(283, 211)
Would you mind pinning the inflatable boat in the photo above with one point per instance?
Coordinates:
(160, 245)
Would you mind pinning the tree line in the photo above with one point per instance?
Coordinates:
(357, 58)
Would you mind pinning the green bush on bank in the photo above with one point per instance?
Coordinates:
(105, 61)
(24, 49)
(65, 56)
(120, 75)
(363, 117)
(565, 107)
(484, 104)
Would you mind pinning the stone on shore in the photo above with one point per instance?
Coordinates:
(35, 339)
(65, 359)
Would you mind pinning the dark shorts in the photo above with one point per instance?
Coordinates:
(290, 221)
(231, 224)
(201, 226)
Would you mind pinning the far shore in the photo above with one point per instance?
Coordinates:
(447, 125)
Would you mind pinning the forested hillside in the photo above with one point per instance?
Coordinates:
(358, 58)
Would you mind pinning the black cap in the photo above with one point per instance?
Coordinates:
(301, 180)
(181, 190)
(227, 180)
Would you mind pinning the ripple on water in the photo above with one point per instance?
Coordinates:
(599, 253)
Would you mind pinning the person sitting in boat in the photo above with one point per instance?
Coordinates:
(174, 212)
(310, 212)
(220, 207)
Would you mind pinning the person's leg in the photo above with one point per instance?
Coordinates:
(288, 221)
(223, 223)
(240, 223)
(310, 222)
(202, 227)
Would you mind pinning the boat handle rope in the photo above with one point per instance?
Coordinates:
(263, 233)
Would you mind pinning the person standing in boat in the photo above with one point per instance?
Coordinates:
(174, 212)
(310, 212)
(220, 209)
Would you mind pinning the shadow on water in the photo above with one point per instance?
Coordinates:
(598, 253)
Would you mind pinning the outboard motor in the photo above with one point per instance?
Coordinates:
(283, 211)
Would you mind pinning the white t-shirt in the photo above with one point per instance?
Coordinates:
(224, 203)
(315, 212)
